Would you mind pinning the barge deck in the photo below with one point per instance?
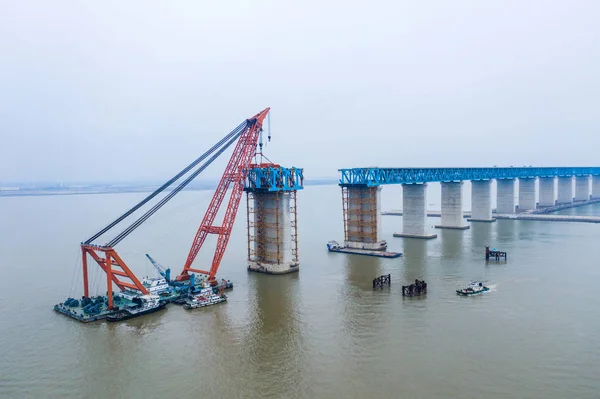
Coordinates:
(172, 295)
(381, 254)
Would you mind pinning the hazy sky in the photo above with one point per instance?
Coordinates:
(124, 90)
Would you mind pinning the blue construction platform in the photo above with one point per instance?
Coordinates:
(375, 176)
(273, 177)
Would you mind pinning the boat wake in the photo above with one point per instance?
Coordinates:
(492, 287)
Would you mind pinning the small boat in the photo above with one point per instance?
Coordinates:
(474, 288)
(155, 285)
(200, 301)
(144, 304)
(333, 246)
(206, 297)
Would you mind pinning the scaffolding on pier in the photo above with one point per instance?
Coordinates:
(359, 205)
(294, 221)
(258, 248)
(267, 187)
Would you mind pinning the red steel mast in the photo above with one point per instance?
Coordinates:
(233, 177)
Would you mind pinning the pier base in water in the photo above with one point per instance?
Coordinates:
(273, 268)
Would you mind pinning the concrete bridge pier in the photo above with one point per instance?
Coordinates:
(582, 188)
(526, 194)
(565, 190)
(452, 206)
(547, 192)
(271, 243)
(362, 218)
(414, 211)
(481, 201)
(596, 186)
(505, 196)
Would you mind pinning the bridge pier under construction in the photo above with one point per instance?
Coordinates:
(272, 218)
(362, 218)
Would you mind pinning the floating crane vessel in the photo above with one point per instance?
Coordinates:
(246, 138)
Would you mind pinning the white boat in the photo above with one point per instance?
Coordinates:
(474, 288)
(155, 285)
(205, 297)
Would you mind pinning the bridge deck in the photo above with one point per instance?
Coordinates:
(375, 176)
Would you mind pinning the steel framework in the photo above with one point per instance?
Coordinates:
(107, 264)
(294, 220)
(377, 176)
(272, 177)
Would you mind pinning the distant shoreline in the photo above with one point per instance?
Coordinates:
(101, 189)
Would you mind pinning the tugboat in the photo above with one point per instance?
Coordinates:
(143, 305)
(205, 297)
(474, 288)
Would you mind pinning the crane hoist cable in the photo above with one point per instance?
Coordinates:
(235, 132)
(168, 197)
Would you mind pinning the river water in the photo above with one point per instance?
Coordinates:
(320, 333)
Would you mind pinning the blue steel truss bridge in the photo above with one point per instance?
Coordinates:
(538, 187)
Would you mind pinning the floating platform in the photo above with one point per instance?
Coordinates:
(420, 236)
(172, 295)
(366, 252)
(82, 314)
(77, 313)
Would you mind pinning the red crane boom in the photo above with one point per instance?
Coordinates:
(234, 175)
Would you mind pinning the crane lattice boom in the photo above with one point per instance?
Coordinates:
(233, 178)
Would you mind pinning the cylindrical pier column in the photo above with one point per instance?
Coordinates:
(270, 232)
(595, 186)
(547, 192)
(526, 194)
(565, 190)
(452, 206)
(362, 213)
(582, 188)
(481, 201)
(414, 211)
(505, 196)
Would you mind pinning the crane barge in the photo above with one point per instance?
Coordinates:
(246, 136)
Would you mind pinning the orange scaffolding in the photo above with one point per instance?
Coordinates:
(359, 205)
(294, 221)
(259, 249)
